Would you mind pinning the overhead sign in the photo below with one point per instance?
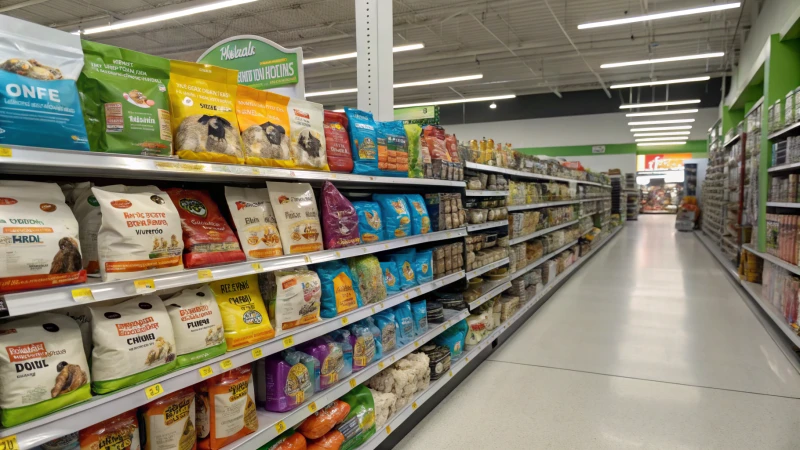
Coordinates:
(598, 149)
(262, 64)
(422, 115)
(669, 161)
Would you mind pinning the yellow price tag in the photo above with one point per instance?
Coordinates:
(288, 342)
(226, 364)
(414, 405)
(307, 259)
(406, 296)
(8, 442)
(388, 429)
(444, 327)
(380, 365)
(466, 358)
(153, 391)
(386, 246)
(82, 295)
(352, 383)
(451, 373)
(418, 291)
(206, 371)
(5, 152)
(313, 407)
(205, 274)
(280, 427)
(338, 255)
(257, 353)
(373, 310)
(416, 343)
(144, 286)
(257, 267)
(345, 321)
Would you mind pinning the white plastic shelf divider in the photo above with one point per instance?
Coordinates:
(519, 173)
(784, 204)
(495, 288)
(540, 261)
(61, 297)
(517, 240)
(43, 161)
(541, 205)
(483, 226)
(101, 407)
(481, 270)
(477, 193)
(269, 423)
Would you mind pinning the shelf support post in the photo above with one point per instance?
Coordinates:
(375, 66)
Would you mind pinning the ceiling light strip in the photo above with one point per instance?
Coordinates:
(677, 127)
(662, 133)
(670, 138)
(650, 144)
(663, 60)
(399, 48)
(660, 122)
(652, 105)
(662, 113)
(459, 100)
(400, 85)
(664, 15)
(659, 83)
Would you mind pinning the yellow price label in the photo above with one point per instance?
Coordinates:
(280, 427)
(206, 371)
(418, 291)
(414, 405)
(313, 407)
(380, 365)
(388, 429)
(352, 383)
(345, 321)
(406, 296)
(466, 358)
(144, 286)
(307, 259)
(226, 364)
(257, 267)
(205, 274)
(338, 255)
(416, 343)
(386, 246)
(257, 353)
(444, 327)
(373, 310)
(451, 373)
(288, 342)
(82, 295)
(8, 442)
(153, 391)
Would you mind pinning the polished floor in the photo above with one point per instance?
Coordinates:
(647, 346)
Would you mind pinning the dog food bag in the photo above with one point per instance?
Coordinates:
(226, 403)
(370, 225)
(390, 277)
(251, 114)
(244, 314)
(423, 266)
(392, 149)
(416, 168)
(207, 238)
(337, 142)
(330, 355)
(83, 316)
(396, 218)
(404, 260)
(307, 135)
(370, 278)
(297, 298)
(197, 324)
(39, 238)
(42, 367)
(169, 422)
(203, 103)
(125, 102)
(289, 380)
(38, 69)
(340, 292)
(359, 425)
(434, 138)
(254, 221)
(133, 342)
(140, 233)
(118, 432)
(364, 141)
(405, 323)
(420, 221)
(339, 219)
(298, 219)
(419, 312)
(386, 323)
(289, 440)
(363, 341)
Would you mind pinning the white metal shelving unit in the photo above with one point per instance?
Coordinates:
(482, 270)
(492, 289)
(522, 174)
(487, 225)
(545, 204)
(478, 193)
(517, 240)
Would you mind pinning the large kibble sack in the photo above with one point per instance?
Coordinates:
(197, 324)
(339, 219)
(226, 409)
(307, 135)
(42, 367)
(169, 422)
(122, 430)
(395, 214)
(244, 313)
(298, 218)
(337, 142)
(254, 221)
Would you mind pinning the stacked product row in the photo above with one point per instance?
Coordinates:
(712, 201)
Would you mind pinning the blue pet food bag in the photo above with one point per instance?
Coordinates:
(392, 149)
(391, 277)
(423, 266)
(419, 312)
(388, 327)
(370, 224)
(405, 323)
(396, 218)
(340, 292)
(453, 339)
(405, 267)
(363, 133)
(376, 333)
(420, 220)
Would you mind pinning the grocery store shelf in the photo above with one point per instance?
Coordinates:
(35, 432)
(52, 162)
(61, 297)
(481, 270)
(783, 204)
(784, 167)
(484, 193)
(270, 422)
(494, 288)
(732, 140)
(483, 226)
(542, 205)
(517, 240)
(541, 260)
(791, 130)
(519, 173)
(755, 291)
(773, 259)
(596, 199)
(730, 241)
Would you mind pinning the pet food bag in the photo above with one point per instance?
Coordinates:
(251, 114)
(386, 323)
(434, 138)
(364, 141)
(226, 403)
(298, 219)
(207, 238)
(289, 380)
(323, 421)
(405, 323)
(39, 237)
(330, 355)
(419, 312)
(118, 432)
(42, 367)
(370, 278)
(195, 90)
(369, 322)
(363, 341)
(395, 215)
(370, 225)
(420, 221)
(297, 298)
(197, 325)
(125, 102)
(339, 219)
(404, 260)
(133, 342)
(254, 221)
(390, 277)
(38, 69)
(244, 314)
(337, 142)
(169, 422)
(423, 266)
(416, 161)
(288, 440)
(359, 425)
(340, 292)
(392, 149)
(307, 135)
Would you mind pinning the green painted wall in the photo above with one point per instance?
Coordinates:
(617, 149)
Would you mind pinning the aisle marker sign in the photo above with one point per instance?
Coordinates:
(9, 442)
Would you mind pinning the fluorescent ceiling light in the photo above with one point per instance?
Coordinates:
(661, 60)
(677, 127)
(664, 15)
(662, 133)
(659, 83)
(662, 113)
(651, 105)
(647, 144)
(399, 48)
(659, 139)
(659, 122)
(165, 16)
(458, 100)
(400, 85)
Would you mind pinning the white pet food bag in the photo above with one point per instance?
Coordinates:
(254, 221)
(140, 233)
(197, 324)
(83, 317)
(307, 132)
(42, 367)
(297, 215)
(39, 245)
(133, 342)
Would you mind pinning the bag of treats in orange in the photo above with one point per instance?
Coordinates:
(226, 408)
(169, 422)
(121, 431)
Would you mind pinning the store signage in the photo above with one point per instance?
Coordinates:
(421, 115)
(598, 149)
(669, 161)
(262, 64)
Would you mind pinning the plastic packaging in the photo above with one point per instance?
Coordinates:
(390, 277)
(395, 215)
(225, 408)
(405, 323)
(364, 141)
(197, 325)
(298, 219)
(415, 158)
(423, 266)
(370, 278)
(405, 267)
(244, 313)
(330, 355)
(340, 226)
(392, 149)
(370, 224)
(388, 328)
(340, 292)
(297, 298)
(419, 313)
(420, 221)
(359, 425)
(289, 380)
(340, 157)
(363, 342)
(169, 422)
(323, 421)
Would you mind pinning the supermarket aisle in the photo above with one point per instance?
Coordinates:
(646, 346)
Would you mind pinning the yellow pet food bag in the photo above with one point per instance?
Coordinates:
(264, 122)
(244, 315)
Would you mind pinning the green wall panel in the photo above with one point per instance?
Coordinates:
(616, 149)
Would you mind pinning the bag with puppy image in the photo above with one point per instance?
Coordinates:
(307, 135)
(264, 121)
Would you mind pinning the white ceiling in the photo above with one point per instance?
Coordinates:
(461, 37)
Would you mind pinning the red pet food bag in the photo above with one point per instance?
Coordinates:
(340, 157)
(339, 219)
(207, 238)
(434, 137)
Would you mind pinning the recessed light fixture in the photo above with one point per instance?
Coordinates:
(399, 48)
(659, 122)
(649, 144)
(677, 127)
(663, 133)
(662, 113)
(663, 60)
(659, 83)
(658, 139)
(652, 105)
(400, 85)
(458, 100)
(664, 15)
(493, 105)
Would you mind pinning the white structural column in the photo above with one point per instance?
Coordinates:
(375, 59)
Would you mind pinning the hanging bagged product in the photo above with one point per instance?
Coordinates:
(390, 277)
(226, 403)
(420, 221)
(244, 314)
(254, 221)
(297, 298)
(118, 432)
(392, 149)
(197, 324)
(140, 233)
(40, 236)
(38, 69)
(307, 135)
(125, 101)
(396, 218)
(42, 367)
(133, 342)
(370, 225)
(416, 160)
(337, 142)
(339, 219)
(340, 292)
(367, 269)
(195, 90)
(298, 219)
(364, 141)
(289, 380)
(169, 422)
(208, 240)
